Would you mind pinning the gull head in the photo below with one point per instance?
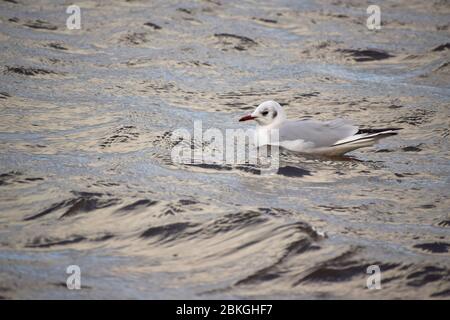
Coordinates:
(267, 113)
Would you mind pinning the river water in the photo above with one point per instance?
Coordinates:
(86, 176)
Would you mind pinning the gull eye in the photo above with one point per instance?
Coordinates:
(265, 113)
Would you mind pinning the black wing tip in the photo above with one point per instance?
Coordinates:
(370, 130)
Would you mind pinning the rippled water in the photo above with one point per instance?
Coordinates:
(86, 175)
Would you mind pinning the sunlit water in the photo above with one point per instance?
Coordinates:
(86, 176)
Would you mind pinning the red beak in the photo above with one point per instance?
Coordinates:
(247, 117)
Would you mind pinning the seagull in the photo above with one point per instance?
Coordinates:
(328, 138)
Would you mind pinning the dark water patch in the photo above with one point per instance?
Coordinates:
(195, 63)
(444, 68)
(371, 131)
(303, 228)
(337, 208)
(412, 148)
(434, 247)
(105, 184)
(56, 46)
(237, 42)
(307, 95)
(135, 38)
(164, 157)
(444, 223)
(342, 269)
(138, 204)
(338, 15)
(265, 20)
(40, 24)
(442, 47)
(395, 106)
(153, 25)
(255, 169)
(172, 210)
(44, 242)
(47, 242)
(160, 87)
(9, 177)
(185, 67)
(34, 179)
(132, 63)
(412, 57)
(427, 206)
(249, 169)
(339, 269)
(251, 95)
(309, 230)
(444, 132)
(313, 157)
(215, 2)
(234, 221)
(4, 291)
(184, 10)
(170, 232)
(14, 177)
(29, 71)
(366, 54)
(276, 212)
(426, 275)
(238, 105)
(166, 139)
(405, 174)
(87, 204)
(443, 293)
(50, 209)
(87, 194)
(105, 237)
(290, 171)
(64, 285)
(4, 95)
(212, 166)
(416, 117)
(274, 271)
(35, 146)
